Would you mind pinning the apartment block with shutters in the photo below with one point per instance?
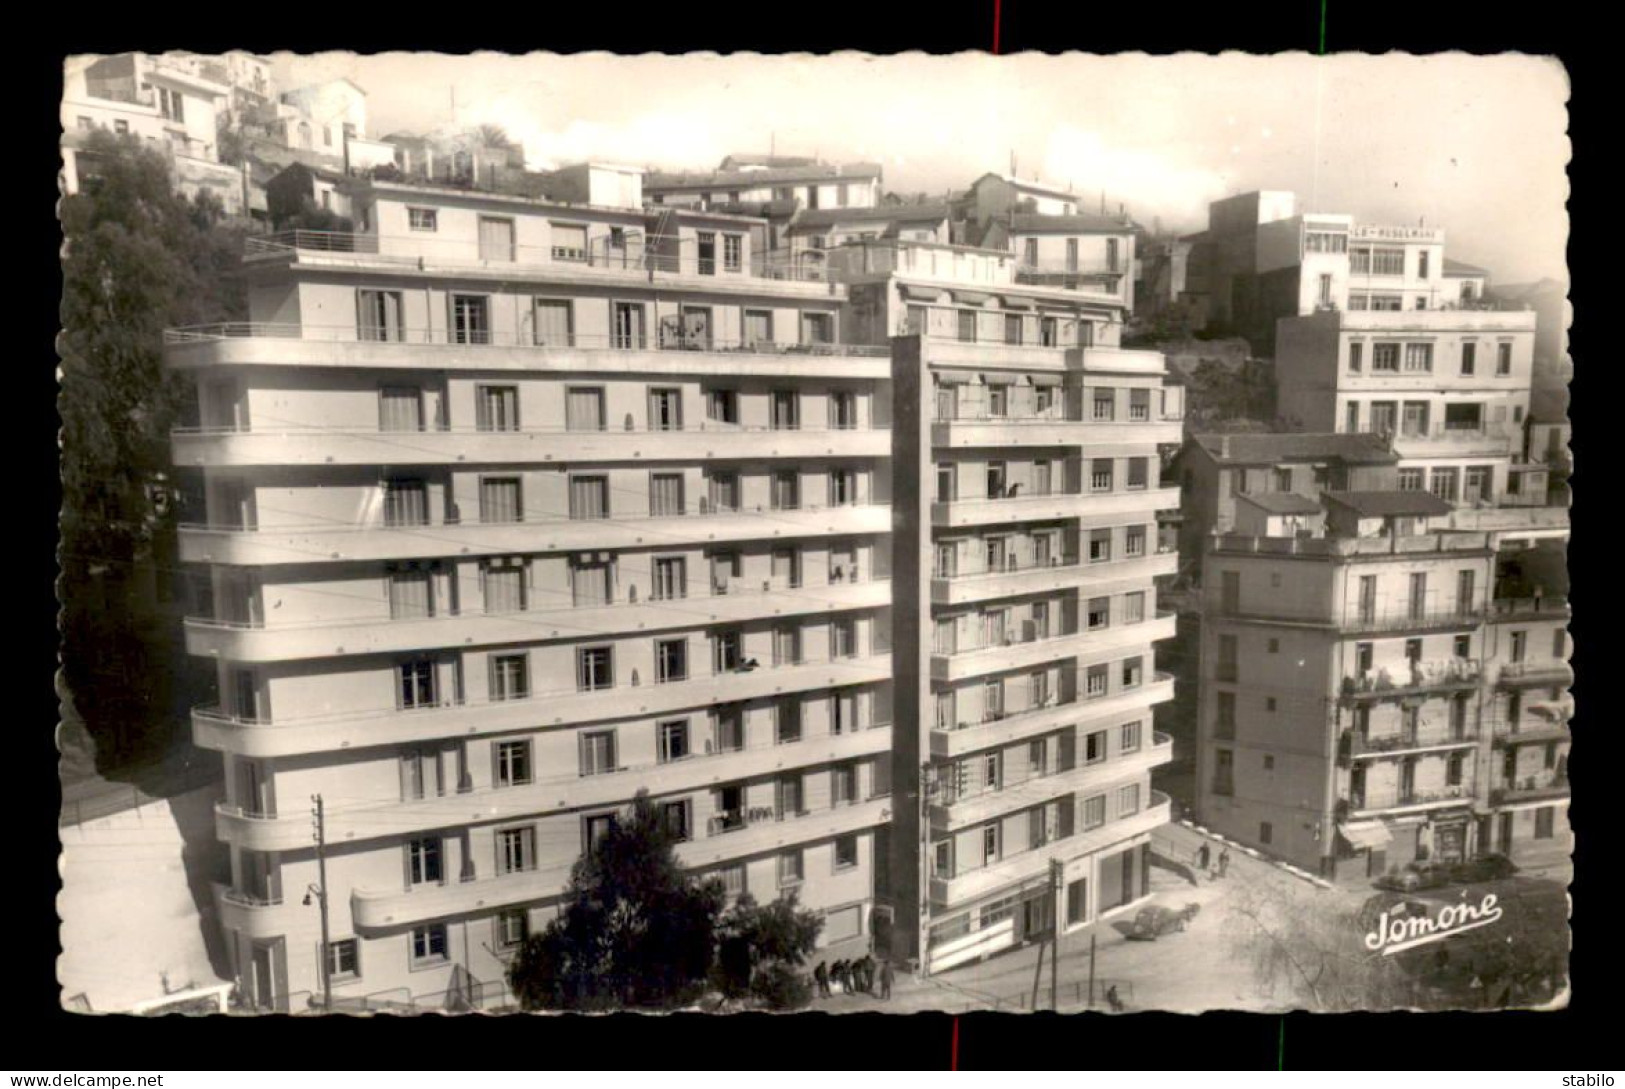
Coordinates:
(1026, 552)
(511, 510)
(1376, 690)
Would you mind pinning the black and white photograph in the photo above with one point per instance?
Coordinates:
(814, 533)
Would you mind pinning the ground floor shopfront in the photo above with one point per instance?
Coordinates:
(1083, 891)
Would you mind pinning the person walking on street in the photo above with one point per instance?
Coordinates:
(821, 977)
(885, 979)
(865, 975)
(1224, 861)
(1202, 857)
(838, 973)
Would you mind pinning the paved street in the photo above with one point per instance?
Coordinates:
(1190, 971)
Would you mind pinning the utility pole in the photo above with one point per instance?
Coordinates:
(321, 899)
(1091, 971)
(1058, 880)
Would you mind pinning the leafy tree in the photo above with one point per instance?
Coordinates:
(635, 931)
(762, 948)
(136, 259)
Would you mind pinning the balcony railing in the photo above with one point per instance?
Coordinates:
(1449, 674)
(681, 257)
(1531, 789)
(1070, 695)
(1401, 799)
(1535, 674)
(1446, 434)
(1520, 608)
(1411, 619)
(1011, 567)
(482, 336)
(700, 427)
(1357, 745)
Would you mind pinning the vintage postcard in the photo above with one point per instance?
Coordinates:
(839, 533)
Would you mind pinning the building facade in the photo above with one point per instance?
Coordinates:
(1359, 705)
(513, 510)
(1025, 444)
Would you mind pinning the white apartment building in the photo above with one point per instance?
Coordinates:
(167, 102)
(1451, 387)
(514, 509)
(1025, 446)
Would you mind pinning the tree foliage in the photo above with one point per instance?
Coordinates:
(761, 950)
(1220, 397)
(635, 930)
(136, 259)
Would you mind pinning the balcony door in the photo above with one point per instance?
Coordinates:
(628, 325)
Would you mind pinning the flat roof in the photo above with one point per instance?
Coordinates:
(1282, 503)
(1388, 504)
(1252, 448)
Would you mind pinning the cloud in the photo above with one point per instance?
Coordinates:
(1147, 182)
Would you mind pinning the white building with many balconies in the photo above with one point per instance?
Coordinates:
(515, 509)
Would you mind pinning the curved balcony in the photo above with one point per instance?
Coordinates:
(222, 448)
(985, 585)
(1089, 507)
(969, 738)
(994, 431)
(274, 344)
(258, 917)
(1421, 680)
(1017, 653)
(271, 545)
(282, 643)
(387, 819)
(970, 809)
(950, 892)
(1535, 790)
(215, 729)
(374, 909)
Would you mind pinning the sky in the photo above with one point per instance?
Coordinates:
(1475, 145)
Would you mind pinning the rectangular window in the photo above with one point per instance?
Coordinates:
(967, 326)
(417, 684)
(733, 252)
(554, 324)
(727, 651)
(846, 852)
(510, 677)
(665, 495)
(1224, 725)
(990, 844)
(1099, 613)
(843, 638)
(584, 408)
(1469, 357)
(1133, 672)
(429, 945)
(470, 319)
(595, 668)
(379, 316)
(671, 660)
(787, 795)
(1094, 811)
(500, 500)
(516, 850)
(1129, 737)
(569, 242)
(1385, 357)
(503, 585)
(513, 927)
(1105, 404)
(844, 784)
(497, 408)
(1139, 404)
(423, 861)
(1410, 480)
(1100, 474)
(1096, 681)
(406, 503)
(411, 595)
(423, 219)
(513, 763)
(786, 410)
(724, 491)
(1228, 668)
(1128, 800)
(598, 752)
(1134, 541)
(817, 328)
(1224, 772)
(1356, 356)
(589, 497)
(1139, 473)
(1094, 747)
(1503, 359)
(343, 960)
(1419, 358)
(787, 721)
(789, 868)
(674, 818)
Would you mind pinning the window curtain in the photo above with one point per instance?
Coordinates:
(499, 500)
(504, 589)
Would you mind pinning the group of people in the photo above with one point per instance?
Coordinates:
(1220, 868)
(854, 976)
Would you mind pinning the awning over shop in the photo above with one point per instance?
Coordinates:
(1016, 302)
(954, 378)
(971, 298)
(1045, 379)
(920, 294)
(1365, 834)
(1001, 378)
